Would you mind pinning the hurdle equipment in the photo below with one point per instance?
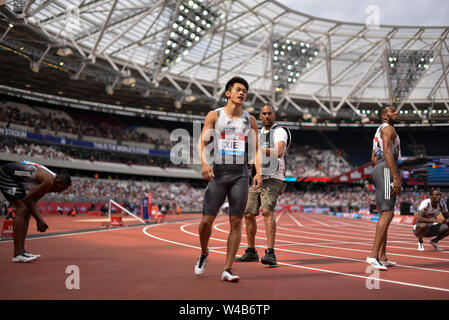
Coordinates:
(120, 219)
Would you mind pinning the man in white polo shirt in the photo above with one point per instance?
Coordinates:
(428, 224)
(273, 143)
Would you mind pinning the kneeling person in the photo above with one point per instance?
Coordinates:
(428, 224)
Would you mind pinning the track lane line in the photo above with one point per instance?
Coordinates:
(298, 266)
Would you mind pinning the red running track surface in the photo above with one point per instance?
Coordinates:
(320, 257)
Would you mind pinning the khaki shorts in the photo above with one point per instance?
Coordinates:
(266, 197)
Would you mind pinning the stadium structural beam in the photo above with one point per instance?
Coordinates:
(259, 95)
(255, 53)
(445, 70)
(321, 104)
(28, 5)
(63, 15)
(200, 86)
(77, 75)
(417, 110)
(75, 44)
(173, 82)
(3, 36)
(248, 57)
(290, 100)
(434, 48)
(112, 63)
(328, 51)
(359, 82)
(41, 6)
(142, 73)
(256, 15)
(373, 78)
(103, 29)
(334, 54)
(356, 111)
(220, 58)
(133, 22)
(117, 24)
(144, 40)
(362, 58)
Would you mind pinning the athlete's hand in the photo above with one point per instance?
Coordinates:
(257, 181)
(42, 226)
(396, 186)
(207, 172)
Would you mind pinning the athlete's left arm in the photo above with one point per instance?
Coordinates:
(254, 137)
(445, 215)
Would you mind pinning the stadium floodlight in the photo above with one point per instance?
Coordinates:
(129, 81)
(64, 52)
(195, 19)
(405, 68)
(35, 67)
(290, 59)
(307, 116)
(109, 90)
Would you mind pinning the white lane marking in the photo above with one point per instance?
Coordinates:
(296, 266)
(295, 220)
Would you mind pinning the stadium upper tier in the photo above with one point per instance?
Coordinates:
(179, 54)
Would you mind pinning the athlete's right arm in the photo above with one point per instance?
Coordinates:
(374, 157)
(46, 182)
(423, 219)
(206, 134)
(388, 134)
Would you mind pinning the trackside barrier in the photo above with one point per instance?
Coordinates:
(7, 229)
(116, 222)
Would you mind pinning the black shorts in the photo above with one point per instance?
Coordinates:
(383, 181)
(10, 188)
(432, 230)
(230, 181)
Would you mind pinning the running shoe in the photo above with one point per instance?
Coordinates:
(230, 276)
(30, 255)
(248, 256)
(21, 258)
(200, 265)
(270, 258)
(375, 263)
(420, 246)
(435, 245)
(388, 263)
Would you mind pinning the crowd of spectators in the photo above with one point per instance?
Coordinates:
(69, 153)
(9, 145)
(188, 198)
(351, 198)
(131, 192)
(85, 126)
(306, 161)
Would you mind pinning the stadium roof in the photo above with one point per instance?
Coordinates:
(144, 44)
